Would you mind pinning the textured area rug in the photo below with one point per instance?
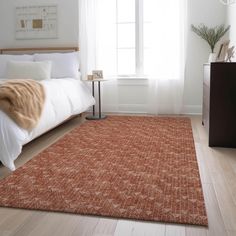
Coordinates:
(141, 168)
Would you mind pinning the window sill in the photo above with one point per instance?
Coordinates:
(129, 78)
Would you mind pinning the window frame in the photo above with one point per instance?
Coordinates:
(139, 45)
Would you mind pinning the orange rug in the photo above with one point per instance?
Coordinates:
(141, 168)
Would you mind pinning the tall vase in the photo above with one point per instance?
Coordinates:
(212, 57)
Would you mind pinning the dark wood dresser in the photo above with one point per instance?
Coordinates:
(219, 103)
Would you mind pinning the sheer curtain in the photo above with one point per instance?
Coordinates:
(97, 42)
(87, 36)
(162, 57)
(166, 61)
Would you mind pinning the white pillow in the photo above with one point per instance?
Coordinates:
(5, 58)
(29, 70)
(63, 64)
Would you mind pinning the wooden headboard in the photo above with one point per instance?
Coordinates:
(37, 50)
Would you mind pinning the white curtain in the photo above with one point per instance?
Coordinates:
(166, 83)
(97, 46)
(164, 50)
(87, 36)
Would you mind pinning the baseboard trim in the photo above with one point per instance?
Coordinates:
(142, 109)
(126, 108)
(192, 110)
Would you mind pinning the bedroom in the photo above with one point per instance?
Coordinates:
(133, 106)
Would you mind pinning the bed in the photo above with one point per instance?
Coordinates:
(65, 98)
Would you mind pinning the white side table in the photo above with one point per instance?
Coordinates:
(95, 116)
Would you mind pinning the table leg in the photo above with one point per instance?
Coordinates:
(94, 97)
(99, 100)
(99, 115)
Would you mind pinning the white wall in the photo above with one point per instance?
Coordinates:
(231, 20)
(67, 24)
(211, 13)
(132, 95)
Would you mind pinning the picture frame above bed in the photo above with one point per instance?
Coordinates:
(36, 22)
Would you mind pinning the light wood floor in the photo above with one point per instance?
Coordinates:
(218, 175)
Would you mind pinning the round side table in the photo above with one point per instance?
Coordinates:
(95, 116)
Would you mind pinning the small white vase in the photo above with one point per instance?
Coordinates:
(212, 57)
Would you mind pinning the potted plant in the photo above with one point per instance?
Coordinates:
(211, 36)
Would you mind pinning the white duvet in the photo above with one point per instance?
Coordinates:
(64, 98)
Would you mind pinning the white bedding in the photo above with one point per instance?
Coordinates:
(64, 98)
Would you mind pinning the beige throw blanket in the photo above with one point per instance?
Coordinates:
(22, 100)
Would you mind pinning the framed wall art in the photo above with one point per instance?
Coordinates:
(98, 74)
(36, 22)
(223, 51)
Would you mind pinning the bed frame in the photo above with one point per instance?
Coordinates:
(15, 51)
(37, 50)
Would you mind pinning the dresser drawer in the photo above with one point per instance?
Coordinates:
(219, 117)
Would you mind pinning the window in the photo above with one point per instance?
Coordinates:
(139, 38)
(126, 37)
